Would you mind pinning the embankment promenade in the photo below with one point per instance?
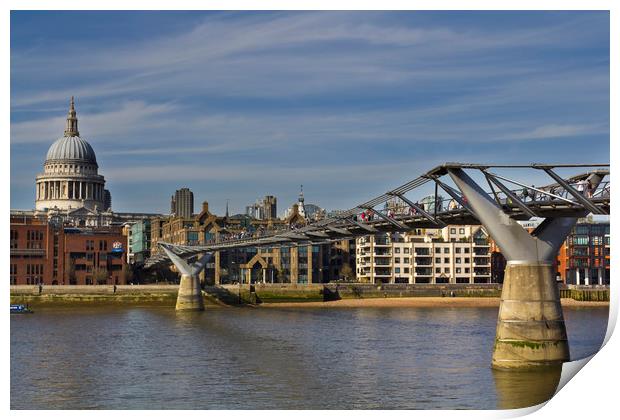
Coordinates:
(293, 295)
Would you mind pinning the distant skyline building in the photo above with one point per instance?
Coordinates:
(307, 211)
(182, 203)
(107, 200)
(263, 209)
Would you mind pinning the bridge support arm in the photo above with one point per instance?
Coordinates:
(189, 297)
(530, 328)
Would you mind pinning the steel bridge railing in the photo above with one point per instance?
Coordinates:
(399, 211)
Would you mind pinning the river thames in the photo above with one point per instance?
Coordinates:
(274, 358)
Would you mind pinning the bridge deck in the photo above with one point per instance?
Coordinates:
(549, 201)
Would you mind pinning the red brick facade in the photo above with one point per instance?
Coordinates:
(43, 253)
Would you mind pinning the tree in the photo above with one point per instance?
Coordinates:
(71, 273)
(347, 272)
(127, 274)
(100, 275)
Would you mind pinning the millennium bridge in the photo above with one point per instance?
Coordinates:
(530, 329)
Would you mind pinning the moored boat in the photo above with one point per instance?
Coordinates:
(20, 309)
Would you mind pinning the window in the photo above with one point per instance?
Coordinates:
(438, 250)
(452, 231)
(406, 270)
(447, 270)
(437, 260)
(397, 270)
(466, 250)
(466, 270)
(457, 250)
(580, 240)
(446, 260)
(466, 260)
(437, 270)
(457, 270)
(406, 250)
(397, 250)
(397, 260)
(462, 231)
(458, 260)
(446, 250)
(406, 260)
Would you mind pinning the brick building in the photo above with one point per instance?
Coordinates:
(50, 253)
(584, 257)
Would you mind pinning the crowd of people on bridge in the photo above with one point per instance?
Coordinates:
(584, 186)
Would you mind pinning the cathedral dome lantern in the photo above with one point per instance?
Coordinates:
(70, 178)
(71, 147)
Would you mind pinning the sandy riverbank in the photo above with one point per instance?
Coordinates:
(415, 302)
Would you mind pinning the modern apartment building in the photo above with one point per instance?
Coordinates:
(584, 259)
(139, 241)
(454, 254)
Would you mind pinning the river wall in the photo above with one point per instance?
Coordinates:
(164, 295)
(271, 293)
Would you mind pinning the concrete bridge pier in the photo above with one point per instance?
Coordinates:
(189, 297)
(530, 327)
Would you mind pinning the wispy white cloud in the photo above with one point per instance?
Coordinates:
(284, 55)
(557, 131)
(130, 117)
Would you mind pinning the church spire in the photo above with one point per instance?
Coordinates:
(72, 123)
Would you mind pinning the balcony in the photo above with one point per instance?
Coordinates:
(29, 252)
(387, 263)
(382, 254)
(482, 262)
(383, 242)
(383, 274)
(421, 252)
(423, 273)
(423, 262)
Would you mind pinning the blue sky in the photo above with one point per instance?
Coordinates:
(237, 105)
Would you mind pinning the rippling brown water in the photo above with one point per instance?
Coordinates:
(245, 358)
